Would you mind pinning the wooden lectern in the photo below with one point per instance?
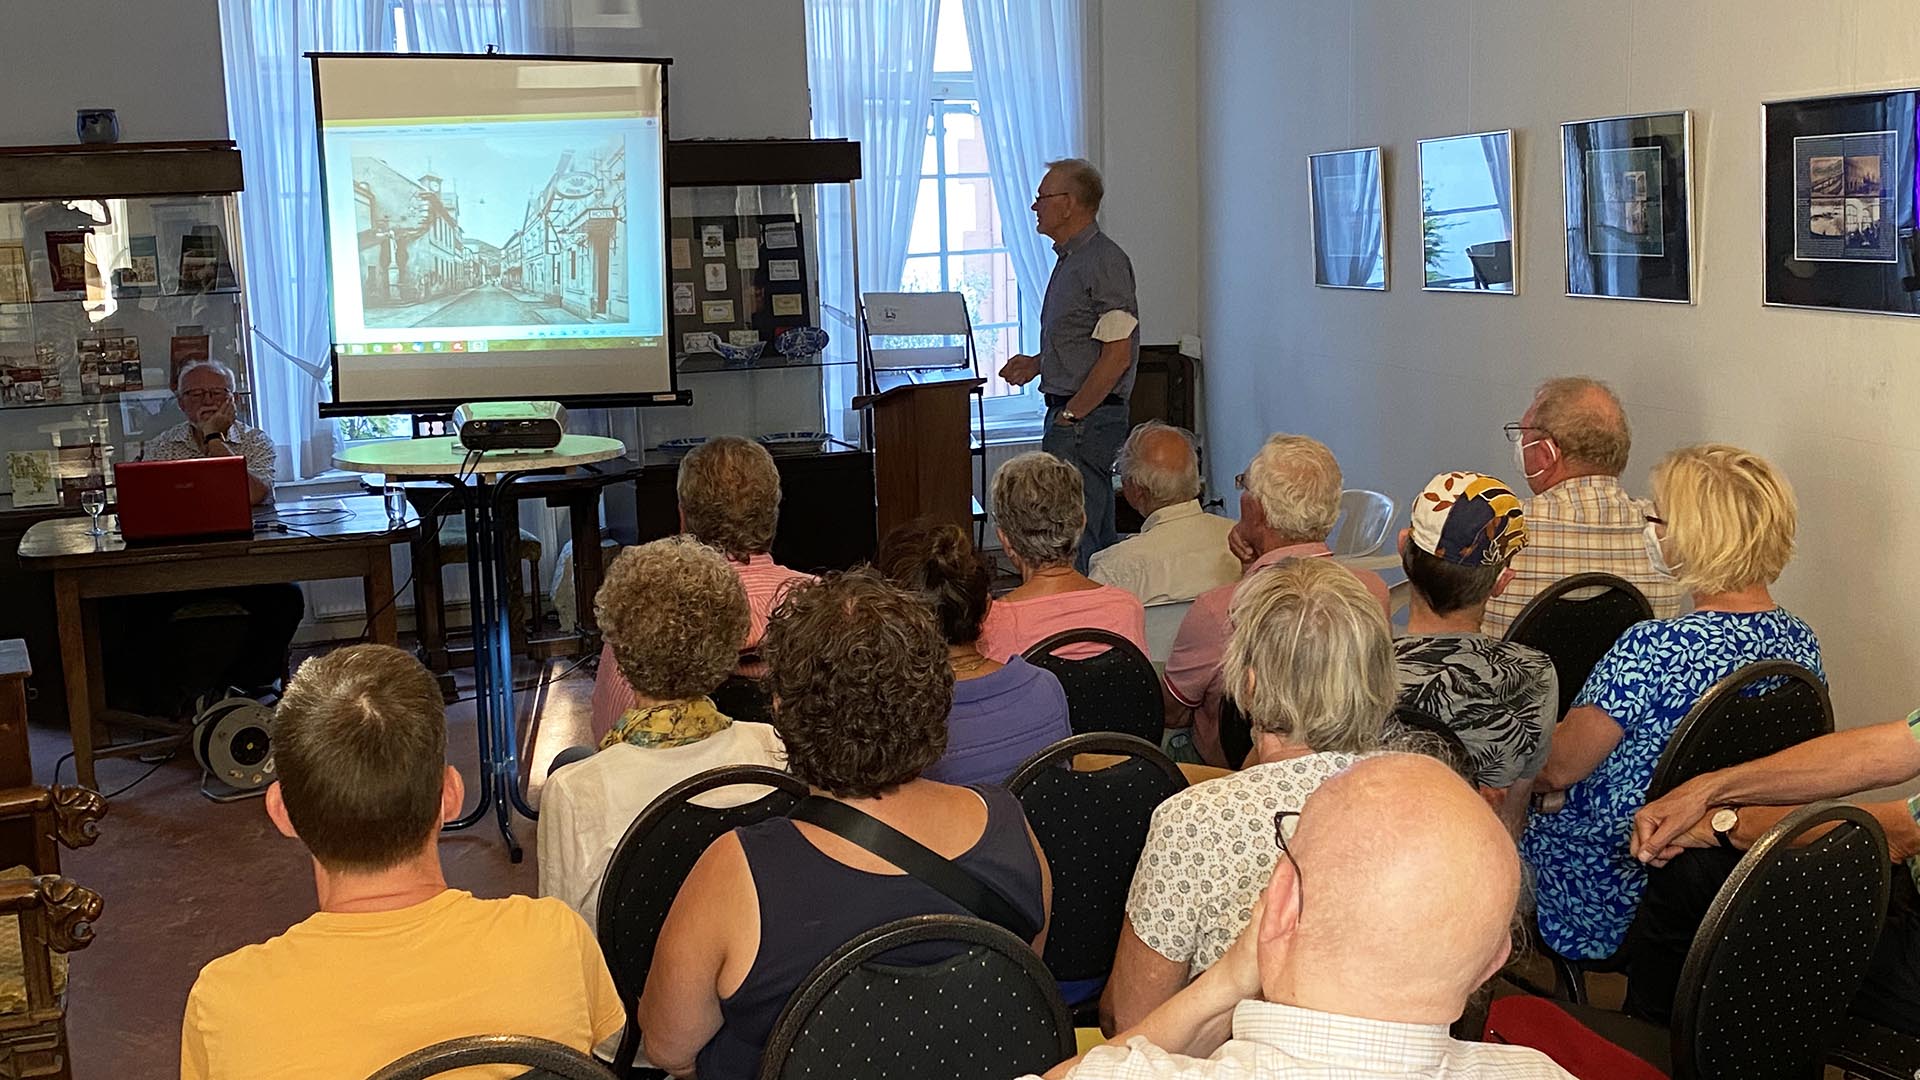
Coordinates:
(922, 457)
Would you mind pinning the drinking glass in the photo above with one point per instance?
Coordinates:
(93, 501)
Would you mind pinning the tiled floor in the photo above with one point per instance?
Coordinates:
(186, 880)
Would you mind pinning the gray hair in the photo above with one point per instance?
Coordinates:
(1586, 420)
(1311, 657)
(674, 614)
(1039, 504)
(1297, 483)
(233, 381)
(1083, 179)
(1162, 487)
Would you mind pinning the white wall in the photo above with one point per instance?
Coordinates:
(1406, 383)
(156, 61)
(1147, 110)
(740, 66)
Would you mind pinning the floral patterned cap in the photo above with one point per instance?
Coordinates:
(1469, 519)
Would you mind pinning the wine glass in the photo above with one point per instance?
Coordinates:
(93, 501)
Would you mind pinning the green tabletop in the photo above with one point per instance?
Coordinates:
(443, 456)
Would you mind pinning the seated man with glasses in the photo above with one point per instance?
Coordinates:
(205, 394)
(165, 650)
(1571, 447)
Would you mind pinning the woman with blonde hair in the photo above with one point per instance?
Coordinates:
(1310, 664)
(1722, 526)
(1040, 513)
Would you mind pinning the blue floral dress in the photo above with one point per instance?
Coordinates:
(1587, 882)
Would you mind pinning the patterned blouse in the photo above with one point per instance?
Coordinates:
(1587, 882)
(1209, 852)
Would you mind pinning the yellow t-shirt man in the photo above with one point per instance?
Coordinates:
(340, 995)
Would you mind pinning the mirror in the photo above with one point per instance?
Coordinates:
(1466, 213)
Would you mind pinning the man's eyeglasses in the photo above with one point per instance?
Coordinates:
(1280, 838)
(1517, 432)
(206, 395)
(1045, 195)
(1655, 519)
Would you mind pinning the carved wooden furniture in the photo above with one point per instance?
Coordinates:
(52, 915)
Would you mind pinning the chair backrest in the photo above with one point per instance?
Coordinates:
(1365, 517)
(1783, 948)
(545, 1057)
(655, 855)
(1092, 825)
(1758, 710)
(1163, 625)
(1115, 690)
(1236, 733)
(1407, 724)
(988, 1010)
(1575, 634)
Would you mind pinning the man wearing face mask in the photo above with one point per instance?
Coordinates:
(1571, 446)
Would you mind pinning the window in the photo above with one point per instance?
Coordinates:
(957, 242)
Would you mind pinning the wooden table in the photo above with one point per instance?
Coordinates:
(486, 485)
(300, 546)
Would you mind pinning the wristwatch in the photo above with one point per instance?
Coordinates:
(1725, 820)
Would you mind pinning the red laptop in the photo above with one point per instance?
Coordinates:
(164, 500)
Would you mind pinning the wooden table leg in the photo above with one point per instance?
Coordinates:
(429, 603)
(583, 514)
(384, 626)
(78, 659)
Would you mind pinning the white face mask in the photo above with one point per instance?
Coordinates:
(1520, 457)
(1656, 554)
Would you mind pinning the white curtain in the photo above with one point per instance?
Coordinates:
(870, 67)
(270, 102)
(1348, 218)
(469, 26)
(1029, 68)
(1497, 149)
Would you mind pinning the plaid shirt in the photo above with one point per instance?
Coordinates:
(1281, 1041)
(1586, 525)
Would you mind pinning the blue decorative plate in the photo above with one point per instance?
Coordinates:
(740, 354)
(792, 442)
(801, 341)
(680, 447)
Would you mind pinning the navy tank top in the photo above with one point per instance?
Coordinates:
(811, 904)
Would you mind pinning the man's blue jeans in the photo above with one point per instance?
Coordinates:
(1090, 446)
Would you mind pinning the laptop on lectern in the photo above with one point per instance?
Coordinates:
(168, 500)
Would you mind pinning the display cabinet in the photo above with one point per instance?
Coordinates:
(119, 264)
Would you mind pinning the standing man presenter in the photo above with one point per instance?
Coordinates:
(1089, 341)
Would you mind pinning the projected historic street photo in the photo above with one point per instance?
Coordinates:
(473, 232)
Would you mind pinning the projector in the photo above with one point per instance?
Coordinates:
(510, 425)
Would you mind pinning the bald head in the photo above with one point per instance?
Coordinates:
(1158, 467)
(1405, 896)
(1587, 425)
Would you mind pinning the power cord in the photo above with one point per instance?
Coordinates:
(124, 788)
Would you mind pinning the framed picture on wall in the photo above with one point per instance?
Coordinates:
(1467, 213)
(1839, 202)
(1629, 206)
(1349, 219)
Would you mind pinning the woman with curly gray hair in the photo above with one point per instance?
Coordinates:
(673, 614)
(862, 686)
(1039, 513)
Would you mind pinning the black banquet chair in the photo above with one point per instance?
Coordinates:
(744, 698)
(1865, 1049)
(1758, 710)
(931, 996)
(1115, 690)
(654, 856)
(1408, 724)
(545, 1059)
(1092, 825)
(1576, 633)
(1776, 960)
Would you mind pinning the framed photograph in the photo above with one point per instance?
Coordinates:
(716, 311)
(67, 260)
(716, 275)
(1349, 220)
(1837, 233)
(683, 298)
(1629, 206)
(31, 472)
(1467, 213)
(607, 14)
(785, 304)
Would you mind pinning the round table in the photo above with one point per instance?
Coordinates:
(482, 481)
